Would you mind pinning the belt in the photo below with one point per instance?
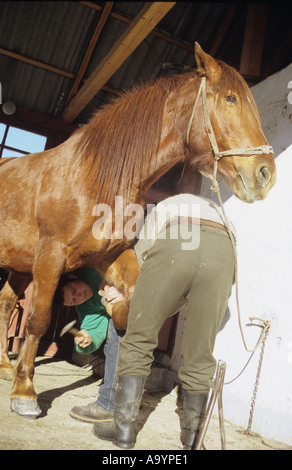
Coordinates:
(208, 224)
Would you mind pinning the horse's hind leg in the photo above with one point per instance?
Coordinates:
(46, 274)
(10, 293)
(122, 273)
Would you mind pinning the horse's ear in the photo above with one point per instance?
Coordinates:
(206, 65)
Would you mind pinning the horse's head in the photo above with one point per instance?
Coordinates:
(234, 134)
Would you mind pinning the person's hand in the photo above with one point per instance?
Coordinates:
(111, 294)
(84, 340)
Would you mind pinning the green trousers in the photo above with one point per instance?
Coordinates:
(201, 279)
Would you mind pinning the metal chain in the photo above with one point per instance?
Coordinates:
(266, 332)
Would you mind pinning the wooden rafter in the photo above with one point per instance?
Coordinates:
(36, 63)
(253, 42)
(223, 29)
(98, 29)
(65, 73)
(159, 34)
(145, 21)
(50, 68)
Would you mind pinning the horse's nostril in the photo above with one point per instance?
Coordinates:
(263, 176)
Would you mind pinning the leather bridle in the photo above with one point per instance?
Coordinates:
(242, 152)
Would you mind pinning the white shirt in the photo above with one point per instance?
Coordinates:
(181, 205)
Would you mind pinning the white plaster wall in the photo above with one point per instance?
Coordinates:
(265, 286)
(264, 232)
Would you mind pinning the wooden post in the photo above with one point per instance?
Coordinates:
(253, 43)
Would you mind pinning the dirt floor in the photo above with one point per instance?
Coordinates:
(61, 385)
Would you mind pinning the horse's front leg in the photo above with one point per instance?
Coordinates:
(122, 273)
(46, 274)
(10, 293)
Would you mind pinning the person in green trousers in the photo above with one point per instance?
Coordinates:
(186, 259)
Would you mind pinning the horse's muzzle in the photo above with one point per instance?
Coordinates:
(254, 188)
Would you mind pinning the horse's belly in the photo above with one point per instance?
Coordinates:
(17, 247)
(13, 258)
(99, 254)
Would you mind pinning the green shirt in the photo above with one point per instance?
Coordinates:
(92, 313)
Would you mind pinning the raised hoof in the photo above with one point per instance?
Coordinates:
(25, 407)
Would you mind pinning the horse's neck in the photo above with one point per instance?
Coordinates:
(163, 161)
(172, 148)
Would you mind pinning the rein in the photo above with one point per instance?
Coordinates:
(241, 152)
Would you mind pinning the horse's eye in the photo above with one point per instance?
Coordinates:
(231, 99)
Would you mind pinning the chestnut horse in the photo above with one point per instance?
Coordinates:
(49, 199)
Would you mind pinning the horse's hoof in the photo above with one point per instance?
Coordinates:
(6, 373)
(28, 408)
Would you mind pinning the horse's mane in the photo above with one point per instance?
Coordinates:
(122, 138)
(120, 141)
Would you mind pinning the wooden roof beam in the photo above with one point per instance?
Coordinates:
(98, 29)
(159, 34)
(36, 63)
(253, 42)
(232, 9)
(145, 21)
(279, 56)
(51, 68)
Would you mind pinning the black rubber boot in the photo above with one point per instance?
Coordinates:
(194, 408)
(127, 403)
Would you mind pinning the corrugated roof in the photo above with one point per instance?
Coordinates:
(57, 34)
(54, 33)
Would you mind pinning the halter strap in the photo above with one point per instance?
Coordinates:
(240, 152)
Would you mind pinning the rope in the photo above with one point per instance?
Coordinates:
(215, 188)
(193, 112)
(243, 152)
